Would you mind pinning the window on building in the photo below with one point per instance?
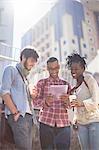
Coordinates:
(43, 49)
(84, 45)
(48, 55)
(87, 13)
(74, 51)
(42, 27)
(46, 23)
(47, 45)
(73, 41)
(37, 32)
(38, 43)
(47, 35)
(91, 39)
(89, 30)
(42, 39)
(85, 55)
(2, 41)
(55, 49)
(65, 53)
(1, 16)
(64, 42)
(33, 35)
(92, 49)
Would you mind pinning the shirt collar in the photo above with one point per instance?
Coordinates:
(54, 80)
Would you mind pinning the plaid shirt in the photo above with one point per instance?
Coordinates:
(56, 114)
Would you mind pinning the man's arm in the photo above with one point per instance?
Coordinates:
(9, 103)
(13, 109)
(7, 79)
(40, 101)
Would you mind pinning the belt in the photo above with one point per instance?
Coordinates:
(26, 114)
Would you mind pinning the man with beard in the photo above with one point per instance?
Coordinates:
(15, 93)
(53, 118)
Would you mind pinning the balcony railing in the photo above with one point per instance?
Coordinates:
(8, 53)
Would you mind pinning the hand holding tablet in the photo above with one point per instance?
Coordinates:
(58, 90)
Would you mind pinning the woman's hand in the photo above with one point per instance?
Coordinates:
(65, 98)
(77, 103)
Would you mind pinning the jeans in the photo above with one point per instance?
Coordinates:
(54, 137)
(22, 131)
(89, 136)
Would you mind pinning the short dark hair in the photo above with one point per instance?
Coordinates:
(75, 58)
(52, 59)
(29, 52)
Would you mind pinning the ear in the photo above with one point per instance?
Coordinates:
(23, 60)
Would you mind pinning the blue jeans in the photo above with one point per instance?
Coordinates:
(54, 137)
(22, 131)
(89, 136)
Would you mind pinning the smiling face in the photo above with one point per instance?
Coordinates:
(53, 69)
(77, 70)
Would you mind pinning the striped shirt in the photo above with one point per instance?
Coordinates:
(56, 114)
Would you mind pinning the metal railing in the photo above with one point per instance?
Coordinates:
(8, 53)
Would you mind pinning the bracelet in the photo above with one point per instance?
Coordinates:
(16, 113)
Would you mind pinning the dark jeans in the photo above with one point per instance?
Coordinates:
(54, 137)
(22, 131)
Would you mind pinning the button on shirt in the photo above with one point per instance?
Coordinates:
(56, 114)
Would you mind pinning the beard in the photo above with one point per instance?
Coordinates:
(25, 66)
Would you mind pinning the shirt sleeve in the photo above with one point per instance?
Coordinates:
(92, 102)
(7, 80)
(39, 101)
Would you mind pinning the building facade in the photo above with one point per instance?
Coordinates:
(91, 27)
(6, 33)
(68, 27)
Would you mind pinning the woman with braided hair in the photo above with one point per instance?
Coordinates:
(86, 102)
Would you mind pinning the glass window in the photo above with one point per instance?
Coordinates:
(47, 45)
(86, 56)
(84, 45)
(64, 42)
(73, 41)
(55, 49)
(33, 35)
(1, 15)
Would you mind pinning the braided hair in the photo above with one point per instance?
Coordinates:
(75, 58)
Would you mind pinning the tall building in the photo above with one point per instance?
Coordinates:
(90, 28)
(6, 22)
(6, 33)
(69, 26)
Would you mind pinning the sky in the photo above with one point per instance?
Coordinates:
(27, 14)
